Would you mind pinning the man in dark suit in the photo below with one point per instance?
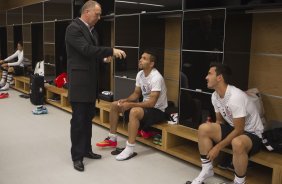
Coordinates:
(83, 57)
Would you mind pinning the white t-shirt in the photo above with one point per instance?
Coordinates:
(236, 104)
(153, 82)
(20, 56)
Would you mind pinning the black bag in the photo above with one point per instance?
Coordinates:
(272, 140)
(37, 89)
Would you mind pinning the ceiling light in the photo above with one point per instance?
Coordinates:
(129, 2)
(140, 3)
(148, 4)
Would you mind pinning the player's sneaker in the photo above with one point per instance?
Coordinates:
(4, 95)
(107, 143)
(40, 110)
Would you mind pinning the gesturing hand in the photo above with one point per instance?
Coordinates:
(108, 59)
(119, 53)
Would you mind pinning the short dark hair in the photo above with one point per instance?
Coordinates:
(153, 56)
(224, 70)
(20, 42)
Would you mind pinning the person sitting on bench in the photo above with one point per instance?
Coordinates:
(8, 68)
(150, 84)
(237, 123)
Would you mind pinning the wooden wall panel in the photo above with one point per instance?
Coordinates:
(266, 62)
(172, 57)
(171, 64)
(172, 90)
(173, 33)
(272, 107)
(266, 74)
(266, 36)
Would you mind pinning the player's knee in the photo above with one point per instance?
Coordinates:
(135, 112)
(237, 145)
(204, 128)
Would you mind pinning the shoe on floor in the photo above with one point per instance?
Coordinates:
(117, 151)
(5, 88)
(189, 182)
(78, 165)
(122, 156)
(92, 155)
(229, 166)
(4, 95)
(107, 143)
(40, 110)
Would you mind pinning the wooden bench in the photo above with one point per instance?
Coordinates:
(63, 102)
(267, 169)
(22, 83)
(182, 142)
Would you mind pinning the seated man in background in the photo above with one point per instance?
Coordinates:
(150, 84)
(8, 68)
(237, 123)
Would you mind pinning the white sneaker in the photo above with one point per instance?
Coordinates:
(5, 88)
(40, 110)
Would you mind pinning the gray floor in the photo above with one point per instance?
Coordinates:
(34, 149)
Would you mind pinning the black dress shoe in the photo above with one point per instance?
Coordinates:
(78, 165)
(92, 155)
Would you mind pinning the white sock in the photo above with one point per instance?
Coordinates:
(3, 79)
(113, 137)
(206, 172)
(9, 78)
(127, 152)
(239, 180)
(7, 85)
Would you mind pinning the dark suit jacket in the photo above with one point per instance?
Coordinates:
(83, 57)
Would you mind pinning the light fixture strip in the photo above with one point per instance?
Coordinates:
(146, 4)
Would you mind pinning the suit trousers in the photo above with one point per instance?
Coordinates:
(81, 129)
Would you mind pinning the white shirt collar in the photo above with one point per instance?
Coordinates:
(87, 25)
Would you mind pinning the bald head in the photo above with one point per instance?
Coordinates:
(89, 4)
(91, 12)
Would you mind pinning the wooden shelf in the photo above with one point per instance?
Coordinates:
(186, 152)
(22, 84)
(106, 106)
(182, 131)
(63, 102)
